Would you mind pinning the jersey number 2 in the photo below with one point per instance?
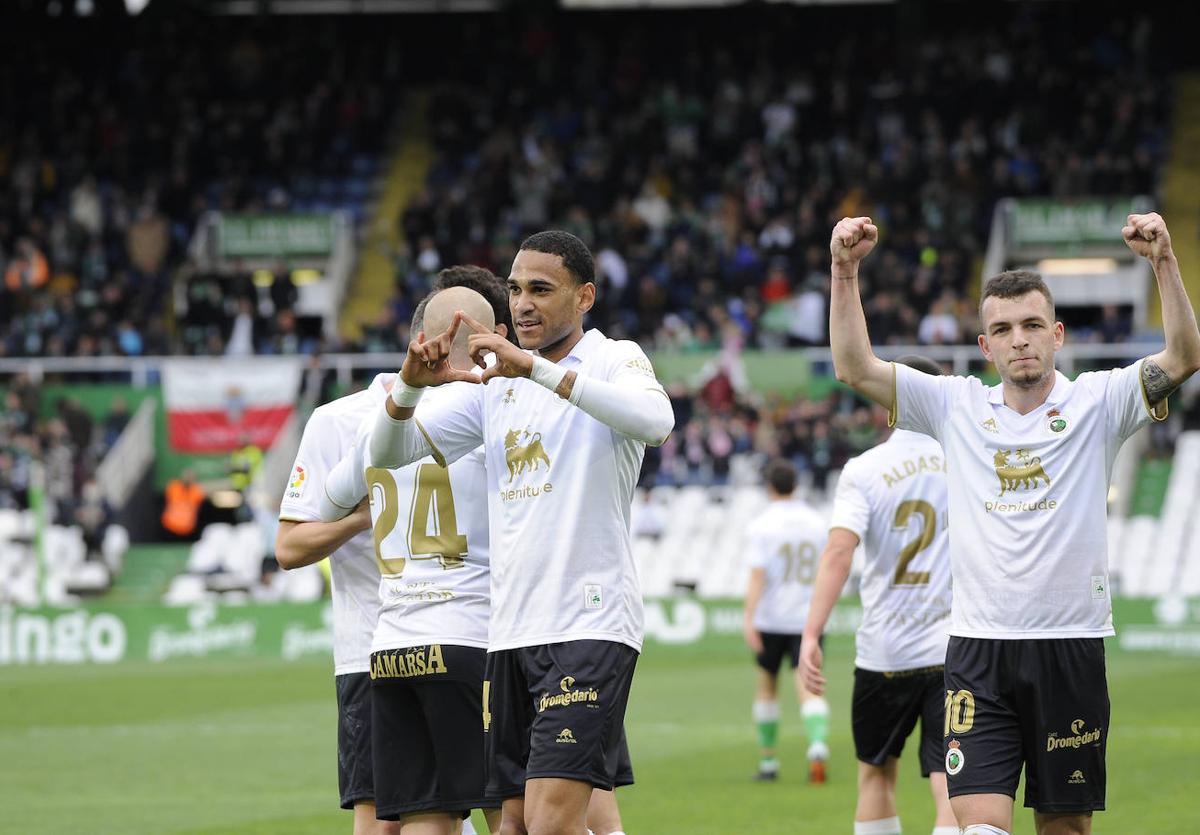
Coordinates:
(432, 500)
(904, 512)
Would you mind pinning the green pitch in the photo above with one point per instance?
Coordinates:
(208, 747)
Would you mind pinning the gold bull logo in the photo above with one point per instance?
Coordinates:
(519, 457)
(1024, 474)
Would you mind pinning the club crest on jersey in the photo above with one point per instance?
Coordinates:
(1058, 421)
(524, 456)
(1024, 474)
(509, 397)
(955, 759)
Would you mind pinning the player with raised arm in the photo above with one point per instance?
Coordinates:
(430, 532)
(892, 499)
(784, 544)
(1030, 460)
(564, 425)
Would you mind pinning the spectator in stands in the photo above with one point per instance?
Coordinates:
(147, 241)
(940, 325)
(28, 270)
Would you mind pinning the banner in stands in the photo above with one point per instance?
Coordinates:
(282, 236)
(1054, 223)
(219, 405)
(107, 634)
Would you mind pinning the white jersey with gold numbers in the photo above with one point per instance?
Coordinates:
(786, 541)
(1028, 497)
(560, 485)
(328, 436)
(893, 498)
(429, 540)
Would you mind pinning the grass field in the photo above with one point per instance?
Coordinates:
(234, 747)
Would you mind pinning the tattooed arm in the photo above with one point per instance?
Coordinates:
(1165, 371)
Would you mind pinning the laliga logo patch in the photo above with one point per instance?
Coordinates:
(295, 488)
(955, 759)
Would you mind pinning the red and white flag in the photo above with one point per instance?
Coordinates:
(218, 405)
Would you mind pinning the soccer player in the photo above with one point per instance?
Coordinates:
(784, 543)
(564, 427)
(1030, 461)
(304, 539)
(893, 500)
(431, 543)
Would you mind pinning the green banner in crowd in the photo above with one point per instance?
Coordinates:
(1055, 223)
(284, 235)
(109, 634)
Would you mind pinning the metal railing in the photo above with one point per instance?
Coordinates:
(133, 453)
(143, 371)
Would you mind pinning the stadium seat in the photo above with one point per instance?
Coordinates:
(114, 547)
(303, 585)
(23, 586)
(185, 590)
(10, 524)
(208, 554)
(1116, 555)
(244, 557)
(1139, 545)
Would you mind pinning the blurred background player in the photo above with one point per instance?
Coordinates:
(430, 529)
(566, 610)
(785, 543)
(1033, 458)
(893, 500)
(303, 539)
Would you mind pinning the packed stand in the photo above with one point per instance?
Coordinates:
(706, 158)
(106, 169)
(82, 545)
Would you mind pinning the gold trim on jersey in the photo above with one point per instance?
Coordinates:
(893, 411)
(434, 451)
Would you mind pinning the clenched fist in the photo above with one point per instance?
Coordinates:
(1147, 236)
(853, 238)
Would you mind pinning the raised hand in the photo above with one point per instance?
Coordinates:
(853, 238)
(1147, 236)
(511, 361)
(428, 361)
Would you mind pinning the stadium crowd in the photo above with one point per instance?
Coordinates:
(70, 444)
(704, 176)
(105, 173)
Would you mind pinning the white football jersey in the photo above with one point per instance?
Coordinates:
(430, 542)
(1028, 496)
(786, 541)
(893, 497)
(329, 435)
(560, 484)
